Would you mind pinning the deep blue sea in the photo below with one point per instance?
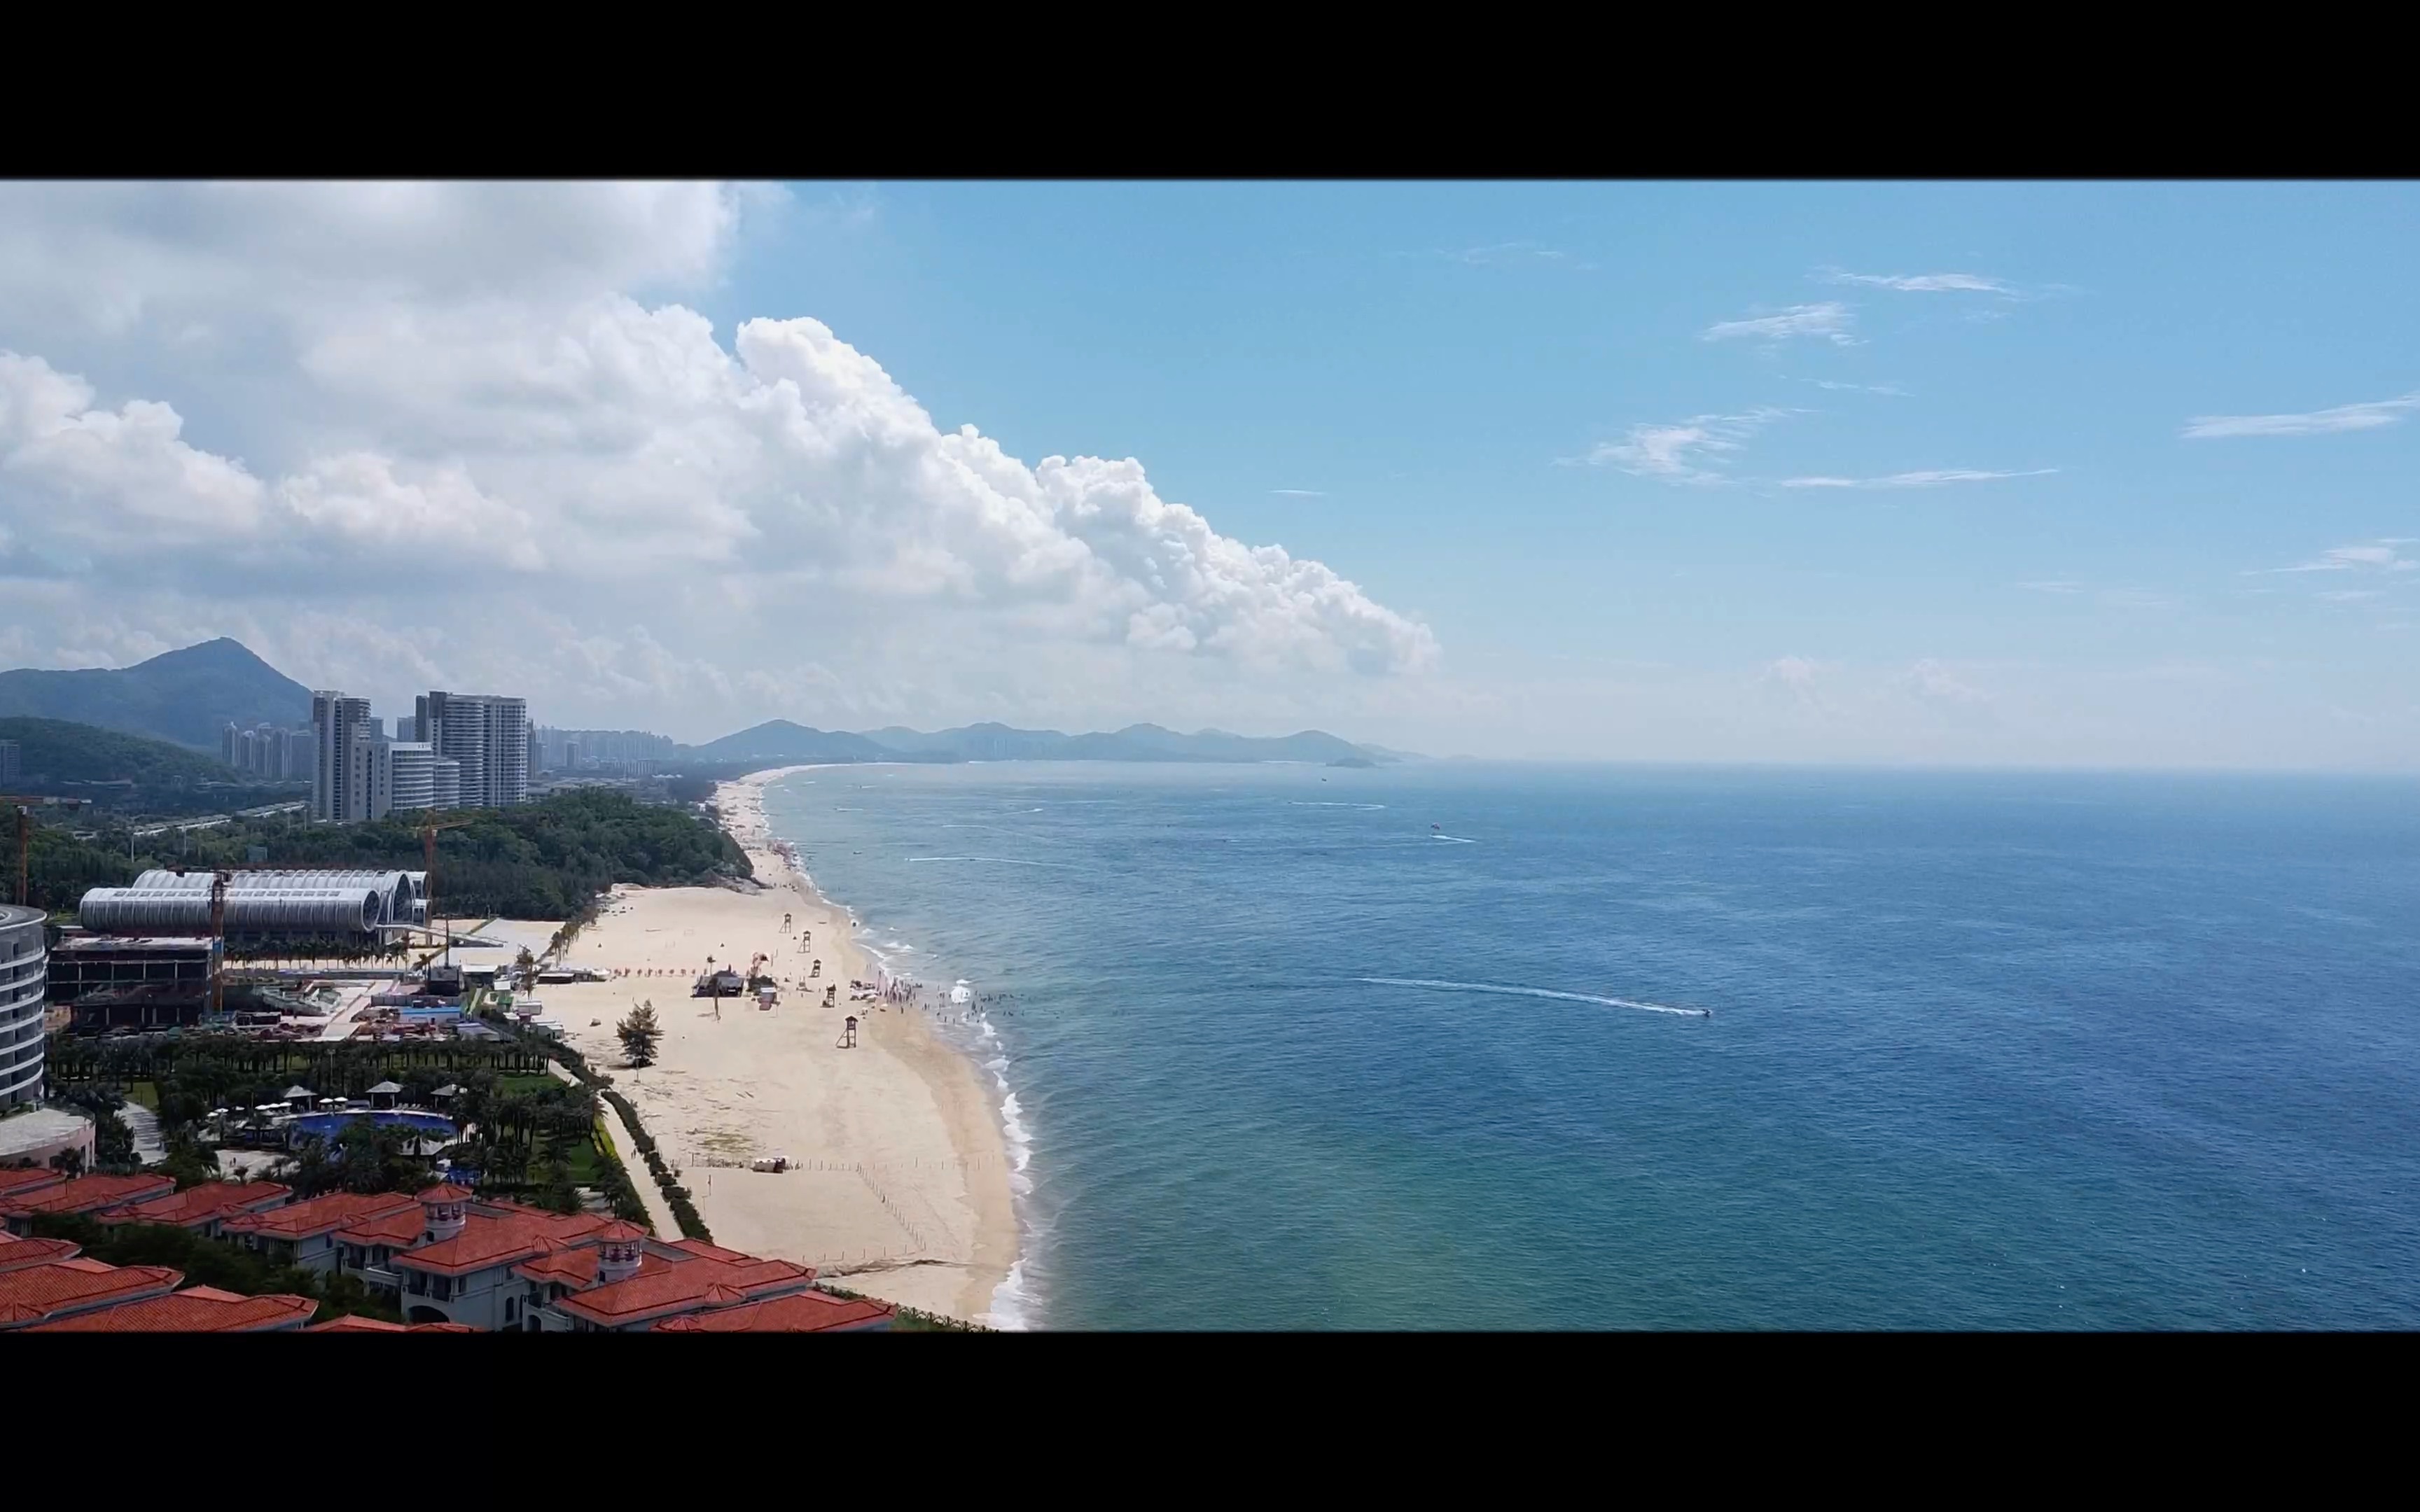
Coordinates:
(1988, 1051)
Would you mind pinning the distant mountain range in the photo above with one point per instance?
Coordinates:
(183, 697)
(187, 697)
(778, 740)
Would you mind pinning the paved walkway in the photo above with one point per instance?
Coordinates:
(626, 1147)
(144, 1125)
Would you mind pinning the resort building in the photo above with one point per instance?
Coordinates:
(77, 1194)
(356, 1323)
(633, 1282)
(203, 1210)
(453, 1263)
(804, 1312)
(24, 973)
(194, 1310)
(305, 1233)
(461, 1271)
(46, 1286)
(54, 1290)
(17, 1252)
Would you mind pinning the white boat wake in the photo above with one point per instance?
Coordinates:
(1537, 992)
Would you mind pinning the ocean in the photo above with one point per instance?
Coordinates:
(1477, 1046)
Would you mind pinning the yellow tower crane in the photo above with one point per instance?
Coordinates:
(428, 864)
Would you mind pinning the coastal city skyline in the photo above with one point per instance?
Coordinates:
(1895, 473)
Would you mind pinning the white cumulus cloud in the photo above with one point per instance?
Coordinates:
(452, 414)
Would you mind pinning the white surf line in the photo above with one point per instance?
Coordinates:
(1536, 992)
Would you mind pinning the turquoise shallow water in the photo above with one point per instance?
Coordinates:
(1986, 1050)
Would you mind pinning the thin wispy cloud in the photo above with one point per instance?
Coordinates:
(1513, 254)
(1828, 321)
(1896, 391)
(1931, 479)
(1919, 282)
(2343, 417)
(1688, 452)
(2059, 586)
(1299, 493)
(2368, 556)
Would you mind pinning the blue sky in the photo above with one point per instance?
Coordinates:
(1425, 360)
(2101, 475)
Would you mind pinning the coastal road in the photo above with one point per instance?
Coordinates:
(626, 1148)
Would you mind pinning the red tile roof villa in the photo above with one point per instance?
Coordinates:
(61, 1288)
(85, 1194)
(452, 1262)
(807, 1312)
(321, 1216)
(194, 1310)
(203, 1207)
(670, 1287)
(16, 1253)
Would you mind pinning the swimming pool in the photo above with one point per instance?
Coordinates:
(328, 1125)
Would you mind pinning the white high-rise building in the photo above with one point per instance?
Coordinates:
(444, 784)
(486, 736)
(341, 732)
(407, 777)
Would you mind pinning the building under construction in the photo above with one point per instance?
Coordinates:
(133, 981)
(264, 907)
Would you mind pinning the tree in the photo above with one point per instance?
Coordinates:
(525, 968)
(556, 1193)
(188, 1164)
(640, 1033)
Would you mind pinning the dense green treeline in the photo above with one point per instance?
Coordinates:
(50, 752)
(547, 859)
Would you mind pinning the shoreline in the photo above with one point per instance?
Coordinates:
(899, 1184)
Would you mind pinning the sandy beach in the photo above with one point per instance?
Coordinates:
(899, 1179)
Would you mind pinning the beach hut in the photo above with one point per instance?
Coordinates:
(298, 1093)
(384, 1093)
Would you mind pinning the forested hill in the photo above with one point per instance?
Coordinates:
(53, 752)
(185, 696)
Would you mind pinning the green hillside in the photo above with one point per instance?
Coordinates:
(186, 696)
(55, 752)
